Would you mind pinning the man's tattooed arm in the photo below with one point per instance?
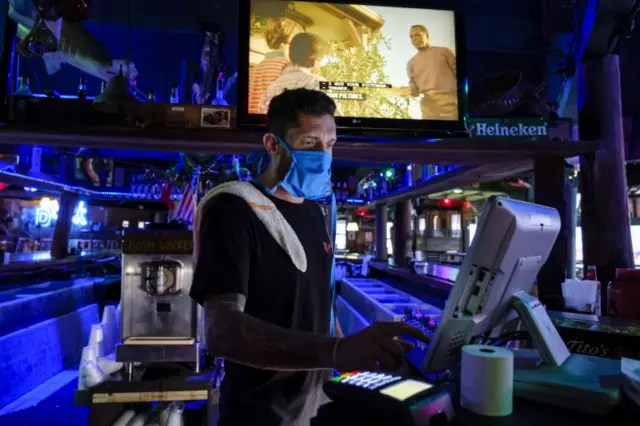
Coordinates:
(339, 333)
(241, 338)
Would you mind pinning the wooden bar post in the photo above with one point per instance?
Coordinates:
(7, 77)
(381, 233)
(62, 230)
(463, 226)
(571, 198)
(551, 190)
(402, 233)
(606, 230)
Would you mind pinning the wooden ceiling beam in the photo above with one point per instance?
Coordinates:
(366, 149)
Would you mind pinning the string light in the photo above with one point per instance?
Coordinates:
(206, 168)
(574, 174)
(90, 193)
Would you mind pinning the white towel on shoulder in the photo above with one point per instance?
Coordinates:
(264, 209)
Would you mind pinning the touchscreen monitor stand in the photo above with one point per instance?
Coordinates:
(512, 242)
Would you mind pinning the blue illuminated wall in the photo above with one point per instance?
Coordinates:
(502, 34)
(163, 35)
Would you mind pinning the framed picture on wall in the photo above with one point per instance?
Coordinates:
(351, 236)
(215, 118)
(368, 237)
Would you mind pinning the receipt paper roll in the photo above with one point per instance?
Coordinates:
(486, 385)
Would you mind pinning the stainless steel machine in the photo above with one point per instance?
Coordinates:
(160, 322)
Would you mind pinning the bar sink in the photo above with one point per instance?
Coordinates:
(377, 290)
(391, 298)
(7, 298)
(46, 287)
(400, 309)
(377, 301)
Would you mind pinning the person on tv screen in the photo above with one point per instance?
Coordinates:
(278, 34)
(432, 74)
(268, 315)
(306, 52)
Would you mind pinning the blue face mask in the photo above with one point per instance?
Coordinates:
(309, 175)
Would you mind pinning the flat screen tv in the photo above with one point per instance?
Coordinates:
(386, 67)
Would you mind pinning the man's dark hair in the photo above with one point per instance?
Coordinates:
(306, 48)
(285, 109)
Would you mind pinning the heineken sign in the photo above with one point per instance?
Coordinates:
(509, 128)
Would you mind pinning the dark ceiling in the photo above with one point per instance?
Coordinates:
(500, 34)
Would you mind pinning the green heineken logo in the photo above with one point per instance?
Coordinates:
(508, 128)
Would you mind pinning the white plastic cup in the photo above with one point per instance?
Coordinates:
(96, 339)
(175, 414)
(88, 354)
(109, 324)
(91, 375)
(124, 418)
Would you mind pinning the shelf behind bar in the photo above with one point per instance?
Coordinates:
(364, 149)
(460, 177)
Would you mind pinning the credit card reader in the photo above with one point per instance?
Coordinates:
(391, 399)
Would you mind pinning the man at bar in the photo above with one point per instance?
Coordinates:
(271, 322)
(432, 74)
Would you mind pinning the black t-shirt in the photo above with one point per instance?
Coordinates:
(239, 255)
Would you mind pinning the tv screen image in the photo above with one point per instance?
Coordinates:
(376, 62)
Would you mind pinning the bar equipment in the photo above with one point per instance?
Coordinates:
(159, 321)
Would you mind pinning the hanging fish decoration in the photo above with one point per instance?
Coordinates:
(210, 63)
(39, 41)
(62, 42)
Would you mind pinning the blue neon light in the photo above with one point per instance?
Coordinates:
(47, 214)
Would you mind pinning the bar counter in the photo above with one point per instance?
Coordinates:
(109, 400)
(582, 334)
(525, 413)
(33, 268)
(438, 277)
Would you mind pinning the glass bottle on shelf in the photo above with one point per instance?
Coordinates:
(23, 87)
(133, 85)
(151, 97)
(82, 89)
(174, 97)
(220, 84)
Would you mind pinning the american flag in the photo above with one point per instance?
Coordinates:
(186, 208)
